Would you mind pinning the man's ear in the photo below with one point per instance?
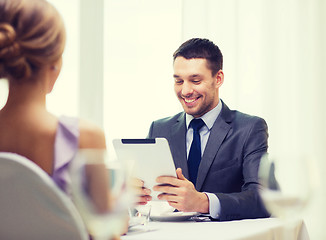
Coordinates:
(219, 78)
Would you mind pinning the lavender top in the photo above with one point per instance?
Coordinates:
(66, 146)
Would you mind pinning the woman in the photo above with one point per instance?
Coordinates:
(32, 40)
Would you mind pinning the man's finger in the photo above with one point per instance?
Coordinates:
(168, 197)
(179, 174)
(142, 200)
(166, 189)
(168, 180)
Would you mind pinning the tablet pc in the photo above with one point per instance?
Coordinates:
(150, 157)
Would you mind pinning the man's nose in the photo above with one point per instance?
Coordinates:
(187, 89)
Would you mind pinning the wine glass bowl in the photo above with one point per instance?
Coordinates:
(285, 185)
(100, 192)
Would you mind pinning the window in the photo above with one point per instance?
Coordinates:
(140, 37)
(64, 97)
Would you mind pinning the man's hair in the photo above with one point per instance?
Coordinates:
(201, 48)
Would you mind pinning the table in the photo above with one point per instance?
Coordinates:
(250, 229)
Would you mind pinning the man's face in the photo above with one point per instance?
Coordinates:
(194, 85)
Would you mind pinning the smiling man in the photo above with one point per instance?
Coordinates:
(216, 150)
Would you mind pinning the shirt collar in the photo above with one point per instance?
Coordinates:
(209, 117)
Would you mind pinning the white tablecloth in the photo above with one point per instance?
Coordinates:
(253, 229)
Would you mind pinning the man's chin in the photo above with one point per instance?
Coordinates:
(191, 112)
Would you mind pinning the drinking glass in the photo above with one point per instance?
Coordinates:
(99, 189)
(139, 215)
(286, 187)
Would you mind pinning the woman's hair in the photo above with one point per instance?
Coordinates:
(32, 35)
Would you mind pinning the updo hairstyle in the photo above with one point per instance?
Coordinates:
(31, 35)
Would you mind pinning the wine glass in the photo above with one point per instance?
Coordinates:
(99, 189)
(286, 187)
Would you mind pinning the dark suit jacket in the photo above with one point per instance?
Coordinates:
(229, 165)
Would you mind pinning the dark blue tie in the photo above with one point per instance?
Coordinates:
(195, 150)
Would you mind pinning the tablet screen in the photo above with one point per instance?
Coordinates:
(150, 158)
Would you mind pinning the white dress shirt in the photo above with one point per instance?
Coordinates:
(209, 120)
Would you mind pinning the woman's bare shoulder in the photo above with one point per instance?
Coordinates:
(91, 135)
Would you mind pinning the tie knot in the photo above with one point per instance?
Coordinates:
(197, 124)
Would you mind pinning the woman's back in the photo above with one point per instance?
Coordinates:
(30, 133)
(29, 130)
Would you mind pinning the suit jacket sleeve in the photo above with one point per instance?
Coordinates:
(247, 203)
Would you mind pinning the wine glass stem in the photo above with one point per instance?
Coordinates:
(103, 238)
(288, 230)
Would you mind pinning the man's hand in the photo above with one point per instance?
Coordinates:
(181, 194)
(142, 193)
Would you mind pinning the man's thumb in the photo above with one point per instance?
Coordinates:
(179, 174)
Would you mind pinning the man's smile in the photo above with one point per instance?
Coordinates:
(190, 101)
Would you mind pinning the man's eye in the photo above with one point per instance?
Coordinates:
(196, 81)
(178, 81)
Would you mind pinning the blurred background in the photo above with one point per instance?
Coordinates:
(117, 69)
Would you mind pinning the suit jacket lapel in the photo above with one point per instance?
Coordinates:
(178, 144)
(218, 133)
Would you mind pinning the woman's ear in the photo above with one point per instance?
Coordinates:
(55, 70)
